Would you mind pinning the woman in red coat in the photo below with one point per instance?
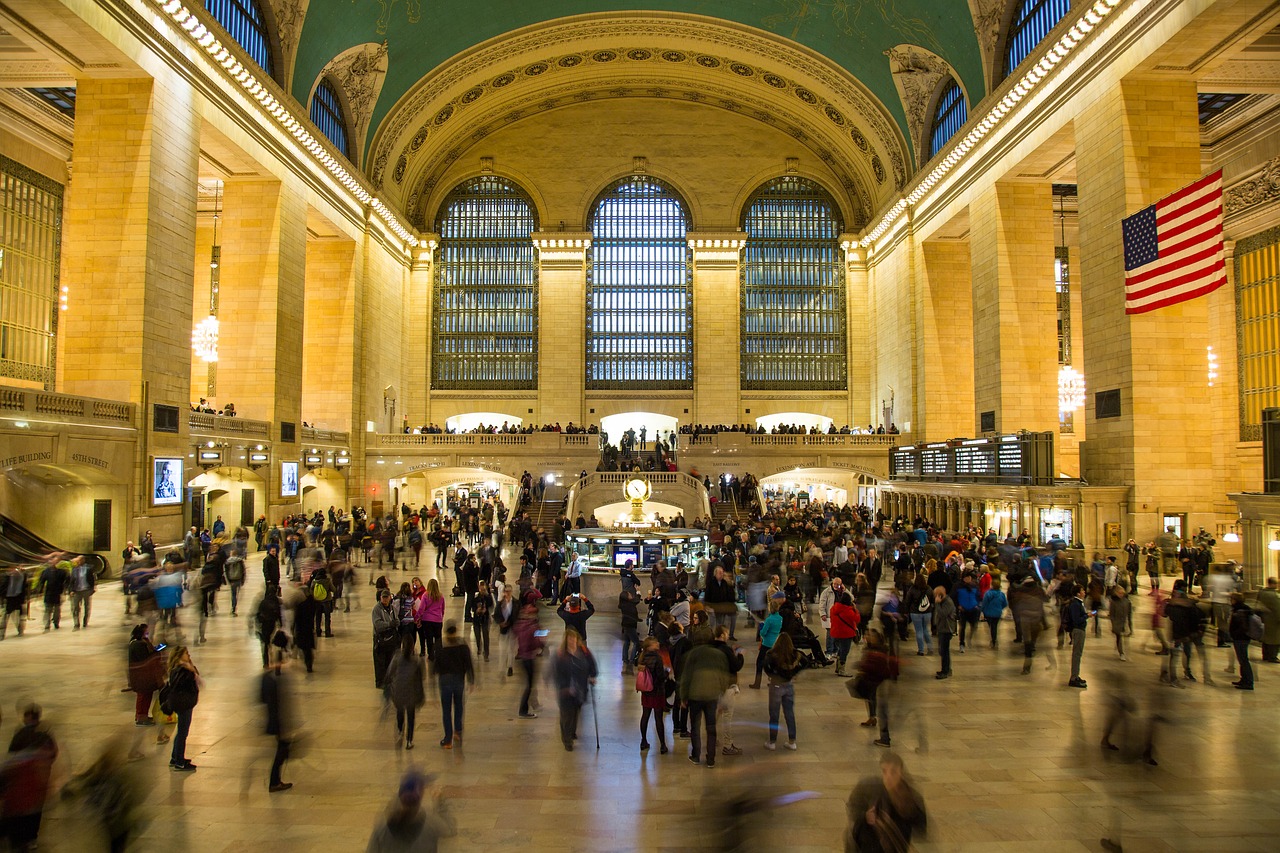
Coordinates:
(844, 627)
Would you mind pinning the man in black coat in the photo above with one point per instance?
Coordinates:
(575, 610)
(275, 696)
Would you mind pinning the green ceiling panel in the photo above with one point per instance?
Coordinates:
(421, 34)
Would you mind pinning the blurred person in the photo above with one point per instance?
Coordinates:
(843, 627)
(529, 644)
(770, 630)
(968, 605)
(183, 694)
(234, 571)
(323, 593)
(24, 778)
(481, 618)
(430, 616)
(305, 617)
(1269, 607)
(918, 604)
(1239, 629)
(944, 623)
(653, 702)
(53, 583)
(876, 667)
(1186, 630)
(410, 828)
(629, 607)
(825, 599)
(722, 599)
(993, 605)
(1027, 603)
(728, 699)
(15, 598)
(1120, 612)
(112, 793)
(455, 675)
(885, 813)
(504, 614)
(705, 676)
(386, 636)
(403, 686)
(146, 673)
(783, 664)
(273, 692)
(1219, 586)
(575, 672)
(83, 584)
(268, 620)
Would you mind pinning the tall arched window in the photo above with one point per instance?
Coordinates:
(244, 22)
(327, 116)
(1032, 21)
(793, 290)
(950, 114)
(639, 290)
(485, 317)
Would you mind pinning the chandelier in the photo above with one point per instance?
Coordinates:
(204, 339)
(1070, 389)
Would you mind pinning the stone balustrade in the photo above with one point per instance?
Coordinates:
(81, 410)
(202, 423)
(314, 435)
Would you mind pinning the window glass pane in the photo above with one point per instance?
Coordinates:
(326, 115)
(950, 115)
(30, 242)
(793, 290)
(485, 318)
(1031, 23)
(639, 289)
(243, 21)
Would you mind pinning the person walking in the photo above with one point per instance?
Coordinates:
(430, 619)
(703, 679)
(386, 636)
(410, 827)
(1238, 627)
(52, 584)
(629, 607)
(274, 694)
(1268, 604)
(575, 672)
(403, 687)
(843, 620)
(783, 664)
(876, 667)
(652, 671)
(481, 617)
(529, 644)
(993, 604)
(455, 675)
(1120, 611)
(83, 584)
(1075, 620)
(304, 626)
(944, 622)
(885, 813)
(728, 699)
(15, 599)
(504, 614)
(25, 779)
(183, 694)
(770, 630)
(146, 673)
(918, 604)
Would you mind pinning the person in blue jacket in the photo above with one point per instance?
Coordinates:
(993, 605)
(968, 603)
(770, 628)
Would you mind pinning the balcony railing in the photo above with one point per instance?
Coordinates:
(65, 407)
(202, 423)
(325, 436)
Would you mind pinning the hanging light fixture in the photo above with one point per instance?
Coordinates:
(204, 337)
(1070, 389)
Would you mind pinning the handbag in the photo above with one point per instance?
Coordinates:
(644, 680)
(861, 688)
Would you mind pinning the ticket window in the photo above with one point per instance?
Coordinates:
(1056, 523)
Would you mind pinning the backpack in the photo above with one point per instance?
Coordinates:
(644, 680)
(318, 591)
(1255, 629)
(235, 570)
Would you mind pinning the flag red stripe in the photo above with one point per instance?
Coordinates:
(1179, 218)
(1212, 233)
(1173, 299)
(1191, 189)
(1183, 263)
(1186, 278)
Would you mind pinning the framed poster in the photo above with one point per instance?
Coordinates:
(1111, 534)
(166, 481)
(288, 479)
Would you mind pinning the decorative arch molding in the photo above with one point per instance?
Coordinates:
(670, 55)
(677, 182)
(755, 182)
(919, 75)
(289, 15)
(990, 23)
(357, 74)
(526, 183)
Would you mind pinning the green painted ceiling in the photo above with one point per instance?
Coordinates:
(852, 33)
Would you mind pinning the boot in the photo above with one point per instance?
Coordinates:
(755, 685)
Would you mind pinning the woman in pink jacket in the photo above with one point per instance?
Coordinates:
(429, 612)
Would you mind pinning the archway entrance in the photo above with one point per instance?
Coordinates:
(474, 420)
(236, 495)
(803, 420)
(654, 425)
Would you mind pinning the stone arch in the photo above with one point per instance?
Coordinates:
(920, 76)
(357, 75)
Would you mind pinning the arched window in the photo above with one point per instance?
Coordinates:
(793, 290)
(948, 116)
(244, 22)
(639, 290)
(326, 114)
(485, 317)
(1032, 21)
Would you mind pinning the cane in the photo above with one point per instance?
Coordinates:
(595, 712)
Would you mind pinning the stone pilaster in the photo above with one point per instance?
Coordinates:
(945, 341)
(1015, 355)
(328, 344)
(421, 316)
(717, 280)
(562, 347)
(858, 332)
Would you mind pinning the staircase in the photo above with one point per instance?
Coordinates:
(721, 510)
(544, 514)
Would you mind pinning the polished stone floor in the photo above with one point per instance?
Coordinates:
(1005, 762)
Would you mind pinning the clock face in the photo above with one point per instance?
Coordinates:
(636, 489)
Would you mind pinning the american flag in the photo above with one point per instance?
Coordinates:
(1173, 249)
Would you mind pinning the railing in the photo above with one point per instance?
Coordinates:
(325, 436)
(678, 480)
(203, 423)
(86, 410)
(540, 441)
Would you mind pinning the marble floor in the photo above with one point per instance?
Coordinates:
(1005, 762)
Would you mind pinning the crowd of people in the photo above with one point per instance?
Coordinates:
(697, 430)
(506, 428)
(227, 411)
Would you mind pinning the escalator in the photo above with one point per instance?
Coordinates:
(19, 546)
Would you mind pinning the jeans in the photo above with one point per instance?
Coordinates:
(993, 624)
(724, 714)
(730, 619)
(235, 598)
(1242, 656)
(920, 622)
(451, 691)
(179, 753)
(78, 600)
(698, 709)
(480, 627)
(526, 664)
(782, 697)
(429, 634)
(1077, 651)
(406, 715)
(944, 647)
(842, 650)
(630, 645)
(52, 611)
(968, 618)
